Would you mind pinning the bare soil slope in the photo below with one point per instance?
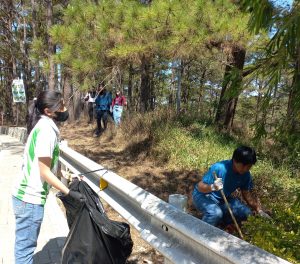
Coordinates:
(132, 162)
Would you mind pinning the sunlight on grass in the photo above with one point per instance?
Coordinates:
(183, 149)
(187, 143)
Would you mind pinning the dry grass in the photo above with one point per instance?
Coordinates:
(129, 158)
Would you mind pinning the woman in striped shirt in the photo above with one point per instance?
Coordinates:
(39, 170)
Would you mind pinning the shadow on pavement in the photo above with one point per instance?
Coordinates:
(51, 252)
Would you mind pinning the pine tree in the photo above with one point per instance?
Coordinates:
(281, 56)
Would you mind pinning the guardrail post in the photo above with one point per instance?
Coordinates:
(180, 202)
(63, 166)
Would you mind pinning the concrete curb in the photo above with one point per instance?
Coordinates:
(20, 133)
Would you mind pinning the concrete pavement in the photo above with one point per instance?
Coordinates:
(54, 228)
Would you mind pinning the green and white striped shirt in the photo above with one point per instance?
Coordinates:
(42, 141)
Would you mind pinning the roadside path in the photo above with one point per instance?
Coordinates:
(54, 228)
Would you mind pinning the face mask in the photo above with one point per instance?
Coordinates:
(61, 116)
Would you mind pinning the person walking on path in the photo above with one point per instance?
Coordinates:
(39, 170)
(103, 102)
(90, 99)
(117, 107)
(231, 175)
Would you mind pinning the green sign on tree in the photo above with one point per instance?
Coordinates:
(18, 91)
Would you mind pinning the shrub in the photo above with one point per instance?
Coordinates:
(184, 142)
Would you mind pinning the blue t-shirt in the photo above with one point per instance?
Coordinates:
(103, 101)
(231, 180)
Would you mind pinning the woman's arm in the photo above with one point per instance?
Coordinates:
(49, 177)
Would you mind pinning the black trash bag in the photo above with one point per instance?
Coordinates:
(73, 207)
(93, 238)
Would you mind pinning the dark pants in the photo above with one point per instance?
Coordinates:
(101, 115)
(91, 111)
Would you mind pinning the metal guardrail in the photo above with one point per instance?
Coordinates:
(180, 237)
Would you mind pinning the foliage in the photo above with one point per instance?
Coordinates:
(279, 236)
(176, 140)
(177, 29)
(106, 41)
(282, 53)
(198, 146)
(187, 142)
(280, 60)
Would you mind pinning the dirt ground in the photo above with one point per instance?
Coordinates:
(131, 162)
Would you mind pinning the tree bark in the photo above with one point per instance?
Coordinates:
(145, 85)
(231, 88)
(130, 77)
(152, 88)
(293, 109)
(173, 85)
(68, 98)
(10, 62)
(26, 66)
(201, 92)
(37, 83)
(179, 82)
(51, 48)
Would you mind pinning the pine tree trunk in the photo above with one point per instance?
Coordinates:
(78, 105)
(51, 48)
(172, 86)
(26, 67)
(293, 110)
(11, 72)
(201, 92)
(274, 104)
(187, 87)
(184, 88)
(231, 88)
(220, 114)
(145, 85)
(230, 113)
(1, 73)
(152, 88)
(258, 101)
(130, 77)
(179, 79)
(68, 98)
(34, 21)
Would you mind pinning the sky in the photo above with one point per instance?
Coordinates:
(283, 2)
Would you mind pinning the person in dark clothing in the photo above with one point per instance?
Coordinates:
(103, 101)
(90, 98)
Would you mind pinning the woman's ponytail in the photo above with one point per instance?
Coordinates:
(33, 116)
